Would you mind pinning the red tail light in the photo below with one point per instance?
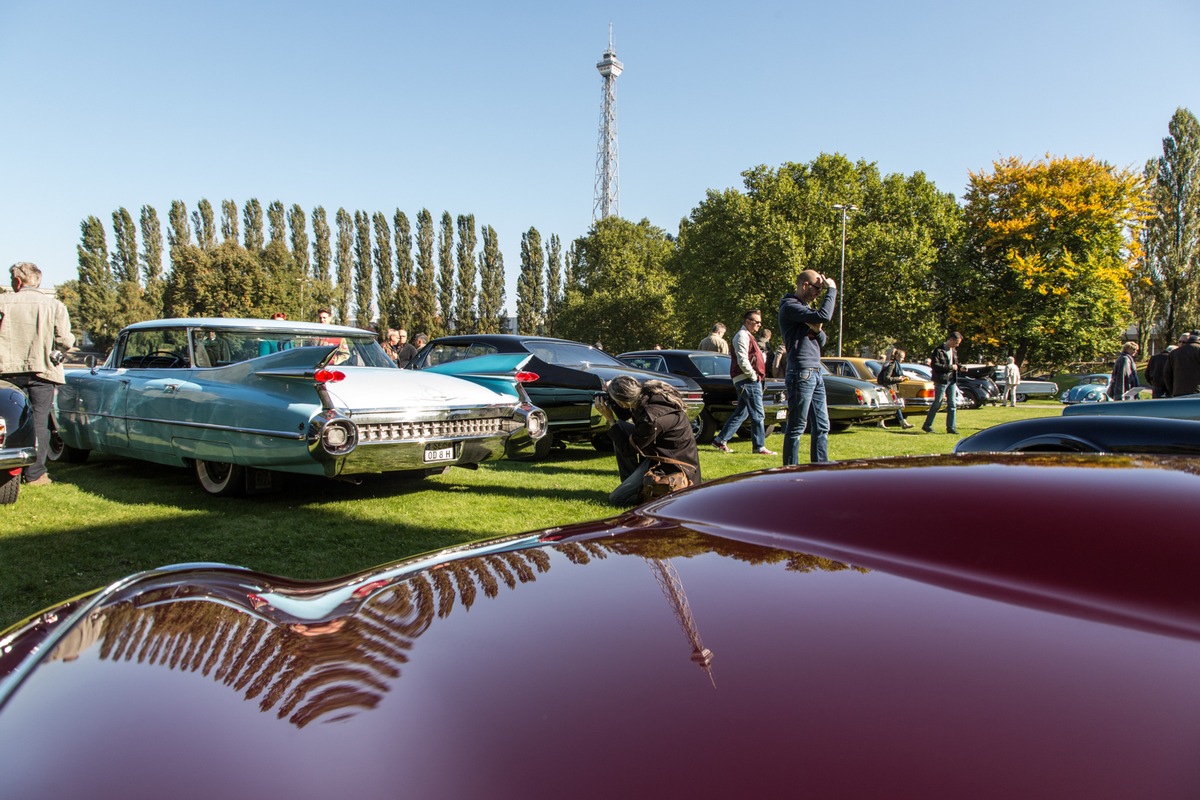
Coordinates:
(329, 376)
(527, 377)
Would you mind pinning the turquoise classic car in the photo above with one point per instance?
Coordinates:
(241, 400)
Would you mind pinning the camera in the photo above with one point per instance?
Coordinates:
(57, 357)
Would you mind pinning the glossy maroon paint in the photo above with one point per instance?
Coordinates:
(1035, 632)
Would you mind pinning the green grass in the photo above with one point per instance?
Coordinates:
(111, 517)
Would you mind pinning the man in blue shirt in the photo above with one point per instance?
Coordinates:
(803, 336)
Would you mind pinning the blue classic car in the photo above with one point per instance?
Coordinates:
(1090, 389)
(17, 440)
(242, 400)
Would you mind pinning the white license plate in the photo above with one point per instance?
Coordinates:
(781, 414)
(439, 453)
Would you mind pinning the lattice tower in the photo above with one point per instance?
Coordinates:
(607, 196)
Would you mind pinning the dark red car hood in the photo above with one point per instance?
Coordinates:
(799, 632)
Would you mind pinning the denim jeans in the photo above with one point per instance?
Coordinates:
(750, 402)
(806, 407)
(630, 466)
(950, 391)
(41, 403)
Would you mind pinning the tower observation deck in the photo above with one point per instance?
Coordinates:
(607, 194)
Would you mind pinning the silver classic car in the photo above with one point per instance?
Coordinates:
(241, 400)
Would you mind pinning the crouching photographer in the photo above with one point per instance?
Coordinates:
(656, 448)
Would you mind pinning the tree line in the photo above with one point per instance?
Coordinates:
(1049, 261)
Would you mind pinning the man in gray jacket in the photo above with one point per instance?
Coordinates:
(33, 326)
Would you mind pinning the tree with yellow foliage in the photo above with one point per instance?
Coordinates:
(1050, 246)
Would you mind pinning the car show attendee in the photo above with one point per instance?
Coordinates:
(658, 434)
(891, 375)
(944, 365)
(1124, 372)
(764, 341)
(715, 341)
(324, 316)
(748, 368)
(35, 332)
(1183, 367)
(391, 344)
(420, 339)
(1012, 379)
(1156, 370)
(406, 352)
(803, 337)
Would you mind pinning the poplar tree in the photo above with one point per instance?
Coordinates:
(446, 271)
(178, 231)
(206, 228)
(424, 296)
(97, 296)
(491, 283)
(362, 269)
(277, 222)
(402, 300)
(1172, 238)
(299, 227)
(345, 264)
(252, 216)
(553, 281)
(465, 297)
(152, 259)
(322, 262)
(384, 275)
(124, 254)
(229, 221)
(530, 298)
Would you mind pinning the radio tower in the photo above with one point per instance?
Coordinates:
(608, 194)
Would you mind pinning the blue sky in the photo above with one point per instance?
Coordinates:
(493, 109)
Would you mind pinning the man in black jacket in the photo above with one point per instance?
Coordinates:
(944, 364)
(1183, 367)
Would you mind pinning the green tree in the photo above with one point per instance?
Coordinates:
(1172, 237)
(124, 254)
(203, 222)
(178, 230)
(1049, 254)
(152, 259)
(252, 217)
(322, 294)
(277, 222)
(233, 283)
(384, 274)
(424, 316)
(446, 272)
(97, 292)
(363, 291)
(554, 282)
(530, 298)
(626, 294)
(298, 224)
(282, 282)
(229, 221)
(185, 293)
(402, 300)
(465, 296)
(345, 264)
(491, 283)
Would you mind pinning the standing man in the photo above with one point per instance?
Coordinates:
(1012, 379)
(944, 364)
(33, 325)
(406, 352)
(803, 338)
(1183, 367)
(715, 341)
(748, 368)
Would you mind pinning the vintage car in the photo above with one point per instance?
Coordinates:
(711, 371)
(562, 378)
(923, 372)
(242, 400)
(1127, 435)
(1026, 388)
(18, 441)
(765, 635)
(1185, 407)
(1090, 389)
(917, 393)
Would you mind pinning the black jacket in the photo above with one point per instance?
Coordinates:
(661, 429)
(943, 363)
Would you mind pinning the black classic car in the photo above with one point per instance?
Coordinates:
(562, 379)
(976, 385)
(17, 440)
(711, 371)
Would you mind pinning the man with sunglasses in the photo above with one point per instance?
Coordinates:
(748, 368)
(803, 336)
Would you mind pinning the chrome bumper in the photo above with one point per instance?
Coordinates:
(15, 457)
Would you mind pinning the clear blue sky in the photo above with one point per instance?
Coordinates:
(493, 108)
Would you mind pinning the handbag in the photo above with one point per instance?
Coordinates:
(658, 482)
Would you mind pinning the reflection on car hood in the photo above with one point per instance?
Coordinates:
(716, 643)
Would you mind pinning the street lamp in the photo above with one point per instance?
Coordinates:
(845, 208)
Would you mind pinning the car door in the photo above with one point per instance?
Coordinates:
(160, 391)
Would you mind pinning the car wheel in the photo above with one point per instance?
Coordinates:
(222, 480)
(9, 489)
(839, 426)
(602, 442)
(61, 451)
(1021, 398)
(705, 427)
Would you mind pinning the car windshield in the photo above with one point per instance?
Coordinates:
(570, 354)
(711, 363)
(168, 348)
(446, 352)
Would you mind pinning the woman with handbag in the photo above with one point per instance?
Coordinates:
(656, 447)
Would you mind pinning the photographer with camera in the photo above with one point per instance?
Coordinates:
(659, 435)
(34, 330)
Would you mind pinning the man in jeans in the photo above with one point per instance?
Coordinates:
(748, 368)
(33, 324)
(944, 365)
(803, 336)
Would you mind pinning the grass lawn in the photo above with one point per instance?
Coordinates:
(111, 517)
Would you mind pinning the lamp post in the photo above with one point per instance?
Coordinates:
(844, 208)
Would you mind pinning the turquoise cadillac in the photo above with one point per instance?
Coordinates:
(242, 400)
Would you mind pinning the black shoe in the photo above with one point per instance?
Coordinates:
(952, 430)
(927, 429)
